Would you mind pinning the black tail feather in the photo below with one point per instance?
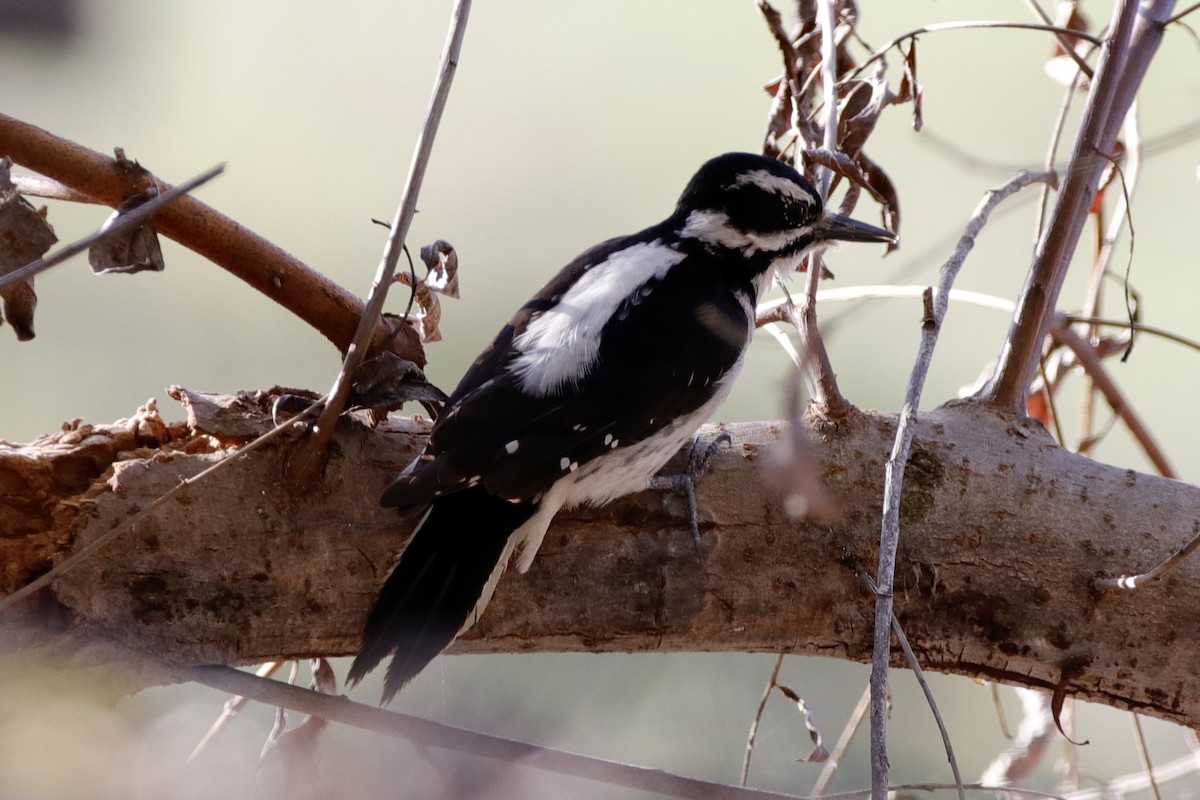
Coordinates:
(440, 577)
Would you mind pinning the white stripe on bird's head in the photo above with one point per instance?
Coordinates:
(778, 184)
(715, 228)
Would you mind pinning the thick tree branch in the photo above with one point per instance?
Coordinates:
(1005, 533)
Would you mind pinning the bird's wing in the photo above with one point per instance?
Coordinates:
(659, 358)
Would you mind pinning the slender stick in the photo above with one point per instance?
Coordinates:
(123, 222)
(1133, 327)
(843, 742)
(1144, 754)
(827, 19)
(937, 715)
(762, 706)
(1135, 33)
(1134, 581)
(1064, 39)
(1091, 364)
(822, 380)
(889, 538)
(970, 25)
(306, 465)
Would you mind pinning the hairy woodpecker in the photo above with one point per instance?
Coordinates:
(590, 389)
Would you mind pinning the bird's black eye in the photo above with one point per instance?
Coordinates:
(797, 212)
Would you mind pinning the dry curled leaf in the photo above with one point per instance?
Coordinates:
(25, 236)
(132, 250)
(442, 262)
(862, 101)
(1111, 168)
(386, 382)
(880, 185)
(910, 87)
(819, 752)
(1072, 668)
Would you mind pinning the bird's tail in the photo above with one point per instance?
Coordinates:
(453, 556)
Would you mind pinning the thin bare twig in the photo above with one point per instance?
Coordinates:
(121, 223)
(1129, 175)
(1060, 123)
(306, 465)
(937, 716)
(1181, 14)
(904, 789)
(1143, 754)
(1135, 581)
(774, 311)
(969, 25)
(818, 369)
(41, 186)
(889, 538)
(823, 387)
(1139, 328)
(1122, 217)
(915, 665)
(233, 707)
(1139, 781)
(827, 22)
(1091, 363)
(427, 733)
(762, 706)
(843, 743)
(1063, 41)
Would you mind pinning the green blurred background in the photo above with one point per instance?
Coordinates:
(568, 123)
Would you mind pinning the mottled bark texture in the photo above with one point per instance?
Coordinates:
(1003, 534)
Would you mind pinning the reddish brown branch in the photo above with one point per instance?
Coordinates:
(1090, 362)
(327, 307)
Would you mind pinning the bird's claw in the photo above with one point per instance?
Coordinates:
(684, 483)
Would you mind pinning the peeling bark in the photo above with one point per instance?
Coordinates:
(1003, 534)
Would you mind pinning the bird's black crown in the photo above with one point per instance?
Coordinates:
(756, 194)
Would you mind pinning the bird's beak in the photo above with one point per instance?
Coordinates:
(835, 227)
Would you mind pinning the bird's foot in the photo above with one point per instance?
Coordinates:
(684, 483)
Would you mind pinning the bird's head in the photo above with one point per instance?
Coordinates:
(765, 210)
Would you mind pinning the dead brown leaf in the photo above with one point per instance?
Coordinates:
(25, 236)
